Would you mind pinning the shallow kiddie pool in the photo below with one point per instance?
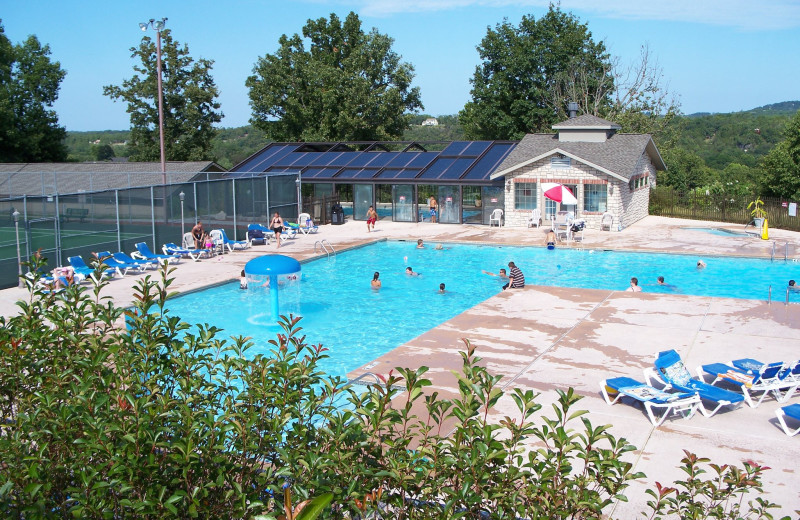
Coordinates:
(358, 324)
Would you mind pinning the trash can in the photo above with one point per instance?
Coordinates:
(337, 214)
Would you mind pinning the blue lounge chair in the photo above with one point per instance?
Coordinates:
(128, 259)
(221, 240)
(653, 399)
(195, 254)
(752, 377)
(256, 233)
(85, 271)
(792, 411)
(143, 252)
(120, 267)
(669, 370)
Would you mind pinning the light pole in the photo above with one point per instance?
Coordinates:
(158, 26)
(299, 198)
(19, 256)
(182, 196)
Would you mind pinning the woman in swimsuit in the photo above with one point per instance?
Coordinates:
(276, 225)
(376, 283)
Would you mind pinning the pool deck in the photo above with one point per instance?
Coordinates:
(547, 338)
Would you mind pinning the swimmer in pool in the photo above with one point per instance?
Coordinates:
(550, 239)
(701, 264)
(376, 283)
(420, 244)
(501, 275)
(634, 285)
(410, 272)
(441, 288)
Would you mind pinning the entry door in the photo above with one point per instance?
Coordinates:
(449, 205)
(363, 198)
(403, 203)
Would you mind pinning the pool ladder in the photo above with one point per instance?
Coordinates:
(785, 251)
(769, 296)
(325, 246)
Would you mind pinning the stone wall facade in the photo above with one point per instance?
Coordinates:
(628, 201)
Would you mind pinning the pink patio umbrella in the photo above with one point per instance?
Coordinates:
(558, 193)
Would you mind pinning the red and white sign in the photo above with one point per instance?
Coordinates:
(449, 199)
(402, 198)
(492, 200)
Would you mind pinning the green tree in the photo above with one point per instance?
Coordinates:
(782, 164)
(348, 86)
(685, 170)
(513, 88)
(103, 152)
(190, 106)
(29, 84)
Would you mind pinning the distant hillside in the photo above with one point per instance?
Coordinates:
(783, 108)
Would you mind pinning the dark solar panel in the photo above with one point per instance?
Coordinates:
(265, 158)
(382, 158)
(437, 167)
(363, 173)
(362, 159)
(423, 159)
(455, 148)
(401, 159)
(476, 147)
(320, 173)
(326, 158)
(299, 159)
(489, 162)
(405, 173)
(457, 169)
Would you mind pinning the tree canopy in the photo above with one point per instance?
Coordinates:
(347, 86)
(782, 164)
(29, 84)
(190, 106)
(513, 87)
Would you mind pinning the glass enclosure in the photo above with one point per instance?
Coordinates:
(492, 198)
(471, 205)
(449, 204)
(403, 203)
(362, 200)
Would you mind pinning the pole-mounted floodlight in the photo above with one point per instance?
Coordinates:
(19, 255)
(182, 196)
(158, 26)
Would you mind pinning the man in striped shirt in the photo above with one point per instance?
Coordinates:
(516, 280)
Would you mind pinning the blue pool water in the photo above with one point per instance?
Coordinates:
(720, 232)
(358, 324)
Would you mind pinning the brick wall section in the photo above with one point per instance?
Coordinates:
(631, 205)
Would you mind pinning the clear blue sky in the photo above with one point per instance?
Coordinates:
(716, 55)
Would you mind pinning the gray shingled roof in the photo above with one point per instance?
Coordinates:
(36, 179)
(587, 121)
(618, 154)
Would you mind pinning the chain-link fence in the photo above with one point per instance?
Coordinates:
(61, 226)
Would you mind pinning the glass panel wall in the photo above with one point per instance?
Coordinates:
(383, 200)
(471, 204)
(449, 204)
(493, 197)
(403, 209)
(362, 200)
(424, 193)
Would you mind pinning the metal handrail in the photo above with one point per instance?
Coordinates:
(323, 246)
(772, 256)
(769, 297)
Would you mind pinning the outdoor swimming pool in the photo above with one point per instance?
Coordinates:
(358, 324)
(720, 232)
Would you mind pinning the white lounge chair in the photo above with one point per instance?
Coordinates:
(306, 224)
(496, 216)
(535, 219)
(752, 378)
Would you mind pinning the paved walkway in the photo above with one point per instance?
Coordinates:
(547, 338)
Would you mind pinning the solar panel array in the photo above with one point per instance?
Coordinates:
(470, 162)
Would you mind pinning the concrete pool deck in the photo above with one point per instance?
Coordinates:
(547, 338)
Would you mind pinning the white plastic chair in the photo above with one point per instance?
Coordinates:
(535, 219)
(496, 216)
(562, 224)
(607, 221)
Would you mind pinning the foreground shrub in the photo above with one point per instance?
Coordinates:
(163, 420)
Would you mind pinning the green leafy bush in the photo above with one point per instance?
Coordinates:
(162, 420)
